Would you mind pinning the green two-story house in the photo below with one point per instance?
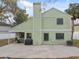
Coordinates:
(49, 27)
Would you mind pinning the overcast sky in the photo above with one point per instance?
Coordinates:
(46, 4)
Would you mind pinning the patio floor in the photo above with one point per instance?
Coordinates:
(41, 51)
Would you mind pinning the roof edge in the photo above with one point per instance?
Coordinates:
(57, 10)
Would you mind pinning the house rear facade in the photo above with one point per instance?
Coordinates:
(49, 27)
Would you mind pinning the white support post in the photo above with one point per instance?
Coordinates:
(24, 37)
(8, 41)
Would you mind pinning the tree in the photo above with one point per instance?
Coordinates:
(7, 6)
(20, 17)
(73, 10)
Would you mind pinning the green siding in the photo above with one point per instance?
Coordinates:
(50, 16)
(37, 38)
(55, 13)
(52, 37)
(51, 23)
(37, 24)
(47, 21)
(26, 26)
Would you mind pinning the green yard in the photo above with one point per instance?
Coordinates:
(76, 43)
(5, 41)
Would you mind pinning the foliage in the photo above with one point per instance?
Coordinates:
(20, 17)
(8, 9)
(8, 5)
(76, 42)
(73, 10)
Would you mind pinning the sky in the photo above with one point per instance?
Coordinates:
(46, 5)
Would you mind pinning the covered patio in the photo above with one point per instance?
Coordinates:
(23, 37)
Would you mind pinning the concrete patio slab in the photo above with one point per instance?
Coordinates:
(41, 51)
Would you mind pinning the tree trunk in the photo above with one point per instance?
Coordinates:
(72, 30)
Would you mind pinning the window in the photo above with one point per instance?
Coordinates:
(60, 21)
(59, 36)
(29, 35)
(46, 36)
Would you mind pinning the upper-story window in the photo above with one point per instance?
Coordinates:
(59, 21)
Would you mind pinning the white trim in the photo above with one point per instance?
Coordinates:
(33, 30)
(46, 30)
(8, 41)
(56, 30)
(67, 30)
(25, 35)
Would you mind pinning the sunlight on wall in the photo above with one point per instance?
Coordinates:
(76, 35)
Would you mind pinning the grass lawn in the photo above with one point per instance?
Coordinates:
(5, 41)
(76, 43)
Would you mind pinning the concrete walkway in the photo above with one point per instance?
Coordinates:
(41, 51)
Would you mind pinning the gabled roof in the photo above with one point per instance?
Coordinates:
(56, 10)
(23, 27)
(28, 25)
